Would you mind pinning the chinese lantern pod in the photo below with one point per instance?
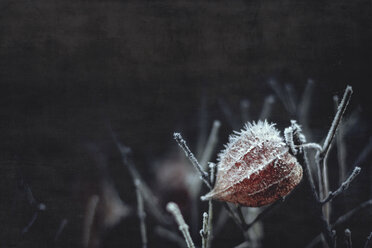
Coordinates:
(256, 168)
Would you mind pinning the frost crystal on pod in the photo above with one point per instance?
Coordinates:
(255, 168)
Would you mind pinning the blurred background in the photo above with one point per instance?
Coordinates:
(74, 72)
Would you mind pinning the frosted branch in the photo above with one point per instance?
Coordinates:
(183, 227)
(182, 143)
(344, 186)
(336, 121)
(204, 232)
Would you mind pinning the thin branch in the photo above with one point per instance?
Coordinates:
(348, 242)
(141, 213)
(183, 227)
(344, 186)
(210, 223)
(336, 121)
(204, 232)
(351, 213)
(303, 109)
(89, 218)
(60, 229)
(341, 147)
(149, 198)
(368, 240)
(264, 212)
(182, 143)
(241, 218)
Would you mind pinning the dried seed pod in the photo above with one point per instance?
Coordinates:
(255, 168)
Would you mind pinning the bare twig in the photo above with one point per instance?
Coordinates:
(336, 121)
(182, 143)
(348, 242)
(149, 198)
(344, 186)
(89, 218)
(368, 240)
(349, 214)
(60, 229)
(204, 232)
(341, 147)
(141, 213)
(183, 227)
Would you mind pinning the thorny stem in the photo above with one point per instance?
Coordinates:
(344, 186)
(182, 143)
(183, 227)
(141, 213)
(204, 232)
(368, 240)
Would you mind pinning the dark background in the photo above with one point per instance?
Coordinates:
(70, 69)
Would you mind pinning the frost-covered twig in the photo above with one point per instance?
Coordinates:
(204, 232)
(182, 143)
(344, 186)
(336, 121)
(341, 147)
(366, 244)
(348, 242)
(183, 227)
(141, 213)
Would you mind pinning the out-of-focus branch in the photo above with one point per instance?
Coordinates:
(183, 227)
(344, 186)
(141, 213)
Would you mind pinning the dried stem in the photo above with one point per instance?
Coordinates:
(348, 242)
(183, 227)
(204, 232)
(141, 213)
(368, 240)
(341, 147)
(89, 217)
(344, 186)
(182, 143)
(336, 121)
